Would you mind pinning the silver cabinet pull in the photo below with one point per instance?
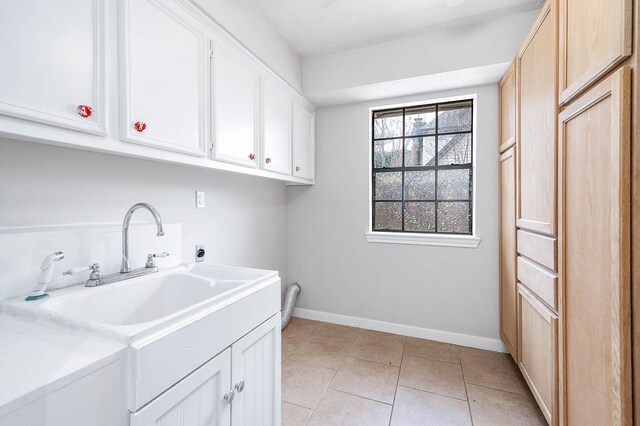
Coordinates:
(240, 386)
(229, 396)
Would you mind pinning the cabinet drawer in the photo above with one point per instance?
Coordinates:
(538, 350)
(540, 248)
(542, 282)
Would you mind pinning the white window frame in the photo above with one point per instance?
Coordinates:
(446, 240)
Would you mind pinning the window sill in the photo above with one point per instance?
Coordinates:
(467, 241)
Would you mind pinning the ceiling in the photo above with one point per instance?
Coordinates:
(316, 27)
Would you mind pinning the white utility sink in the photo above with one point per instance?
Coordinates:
(139, 307)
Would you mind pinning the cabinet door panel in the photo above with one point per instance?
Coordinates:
(508, 289)
(595, 36)
(165, 70)
(303, 142)
(52, 62)
(196, 400)
(235, 95)
(508, 112)
(594, 254)
(538, 351)
(256, 365)
(537, 144)
(276, 129)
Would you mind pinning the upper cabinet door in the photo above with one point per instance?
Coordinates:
(52, 67)
(537, 142)
(303, 142)
(235, 103)
(508, 108)
(595, 36)
(165, 62)
(276, 129)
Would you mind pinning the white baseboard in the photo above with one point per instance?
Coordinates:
(405, 330)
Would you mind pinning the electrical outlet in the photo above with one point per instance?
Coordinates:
(199, 199)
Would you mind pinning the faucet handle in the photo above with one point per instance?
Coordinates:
(150, 262)
(95, 271)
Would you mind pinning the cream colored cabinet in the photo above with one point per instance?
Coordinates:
(508, 289)
(595, 36)
(303, 142)
(275, 147)
(202, 398)
(508, 108)
(595, 298)
(256, 376)
(538, 327)
(537, 125)
(53, 58)
(165, 63)
(235, 105)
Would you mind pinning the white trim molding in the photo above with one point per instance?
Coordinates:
(444, 240)
(478, 342)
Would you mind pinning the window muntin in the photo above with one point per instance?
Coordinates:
(422, 169)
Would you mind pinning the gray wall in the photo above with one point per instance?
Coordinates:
(441, 288)
(244, 222)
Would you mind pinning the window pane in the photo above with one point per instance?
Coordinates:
(453, 217)
(420, 185)
(388, 216)
(454, 149)
(419, 151)
(387, 153)
(454, 117)
(387, 124)
(420, 121)
(420, 217)
(388, 186)
(453, 184)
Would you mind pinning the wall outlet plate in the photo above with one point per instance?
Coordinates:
(199, 199)
(200, 252)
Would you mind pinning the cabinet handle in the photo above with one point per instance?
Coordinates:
(240, 386)
(85, 111)
(252, 157)
(229, 396)
(140, 126)
(267, 160)
(297, 168)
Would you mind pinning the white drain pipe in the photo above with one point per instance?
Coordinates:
(289, 303)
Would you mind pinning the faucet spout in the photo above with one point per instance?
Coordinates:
(125, 268)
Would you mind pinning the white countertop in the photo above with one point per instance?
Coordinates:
(37, 358)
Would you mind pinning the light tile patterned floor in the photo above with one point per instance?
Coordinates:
(338, 375)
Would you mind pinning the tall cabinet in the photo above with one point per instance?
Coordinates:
(572, 149)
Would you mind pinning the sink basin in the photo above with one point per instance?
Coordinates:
(141, 307)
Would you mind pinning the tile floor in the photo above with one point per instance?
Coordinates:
(338, 375)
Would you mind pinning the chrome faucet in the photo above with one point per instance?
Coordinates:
(125, 268)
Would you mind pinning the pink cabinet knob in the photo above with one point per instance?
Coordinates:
(84, 111)
(297, 168)
(267, 160)
(140, 126)
(252, 156)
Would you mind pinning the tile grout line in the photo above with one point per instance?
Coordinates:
(466, 391)
(395, 392)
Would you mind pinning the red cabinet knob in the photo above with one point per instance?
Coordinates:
(84, 111)
(297, 168)
(140, 126)
(252, 157)
(267, 160)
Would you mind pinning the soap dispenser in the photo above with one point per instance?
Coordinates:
(46, 274)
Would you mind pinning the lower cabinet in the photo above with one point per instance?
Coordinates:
(240, 386)
(538, 328)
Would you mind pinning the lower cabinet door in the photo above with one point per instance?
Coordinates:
(197, 400)
(256, 376)
(538, 350)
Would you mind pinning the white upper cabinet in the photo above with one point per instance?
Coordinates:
(52, 67)
(235, 103)
(276, 129)
(165, 61)
(303, 142)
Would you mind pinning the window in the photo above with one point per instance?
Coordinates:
(422, 169)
